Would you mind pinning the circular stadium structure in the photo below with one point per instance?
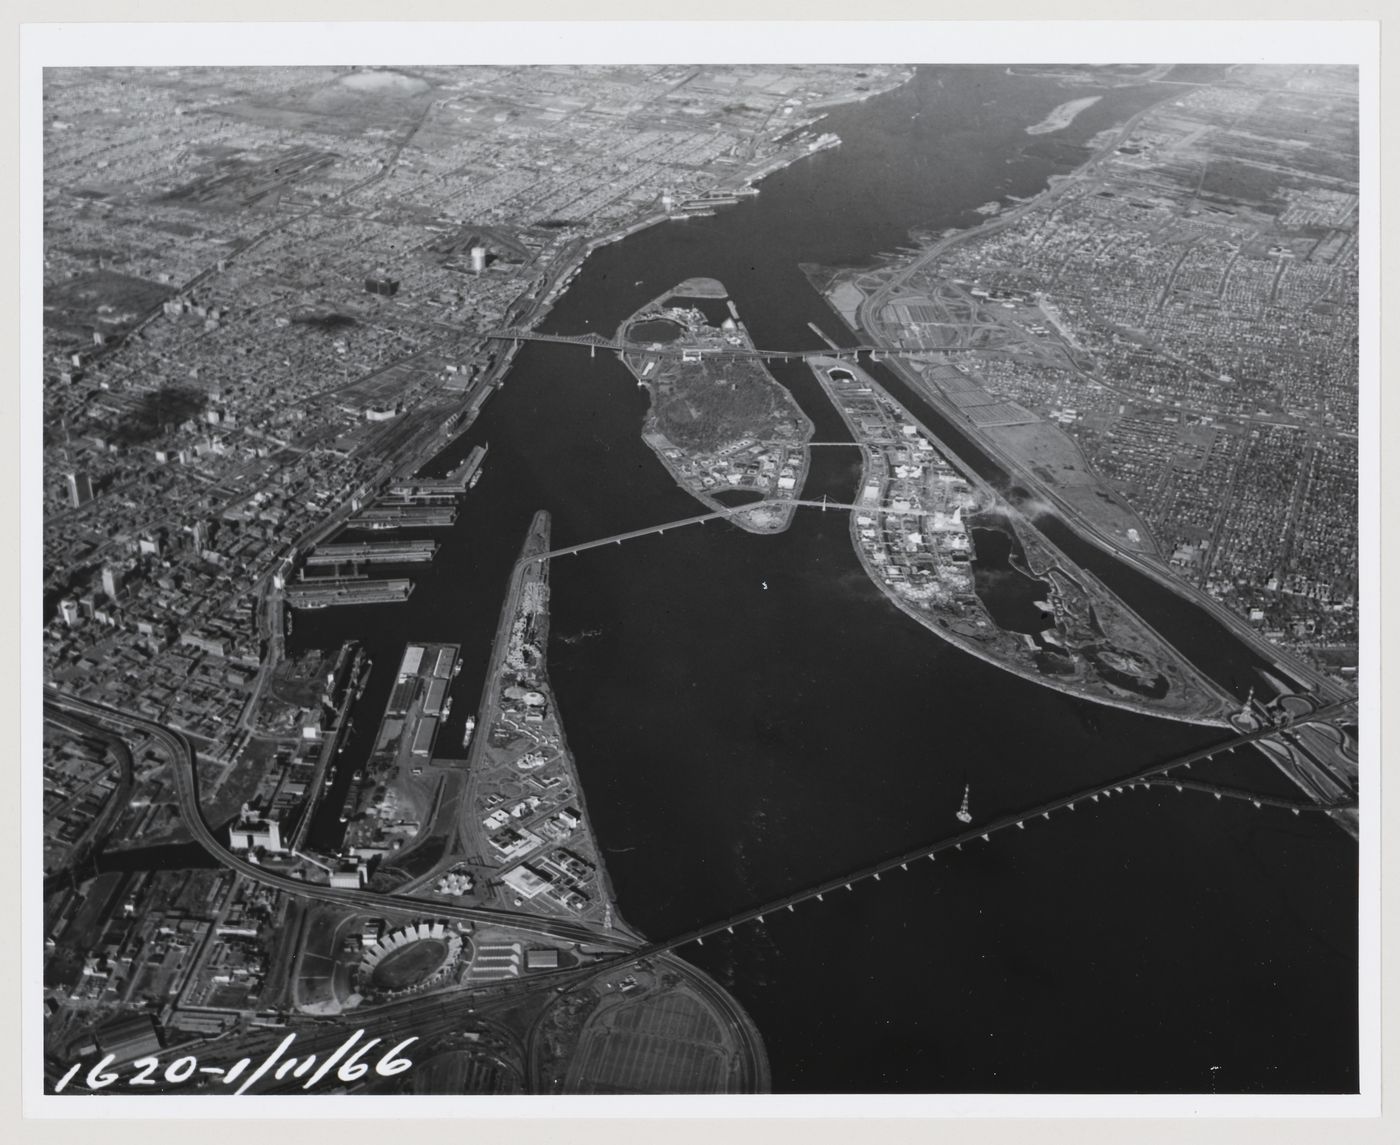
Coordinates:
(411, 958)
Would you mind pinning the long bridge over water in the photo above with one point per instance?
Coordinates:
(1154, 775)
(716, 515)
(595, 342)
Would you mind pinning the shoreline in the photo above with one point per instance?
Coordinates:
(569, 262)
(1062, 116)
(862, 324)
(799, 446)
(536, 542)
(1060, 562)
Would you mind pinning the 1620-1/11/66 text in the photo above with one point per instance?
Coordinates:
(278, 1064)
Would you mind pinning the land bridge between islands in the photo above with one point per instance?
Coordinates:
(1157, 775)
(596, 342)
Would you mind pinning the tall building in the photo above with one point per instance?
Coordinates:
(111, 582)
(79, 489)
(478, 259)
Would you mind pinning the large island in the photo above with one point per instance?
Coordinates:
(719, 422)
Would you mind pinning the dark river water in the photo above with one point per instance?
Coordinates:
(750, 715)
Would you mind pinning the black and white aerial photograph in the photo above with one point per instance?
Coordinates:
(698, 578)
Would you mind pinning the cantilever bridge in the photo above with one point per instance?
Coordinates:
(595, 342)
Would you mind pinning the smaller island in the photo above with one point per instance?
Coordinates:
(1062, 116)
(720, 423)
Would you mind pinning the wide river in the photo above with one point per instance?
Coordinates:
(750, 715)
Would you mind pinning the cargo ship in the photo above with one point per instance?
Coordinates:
(467, 729)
